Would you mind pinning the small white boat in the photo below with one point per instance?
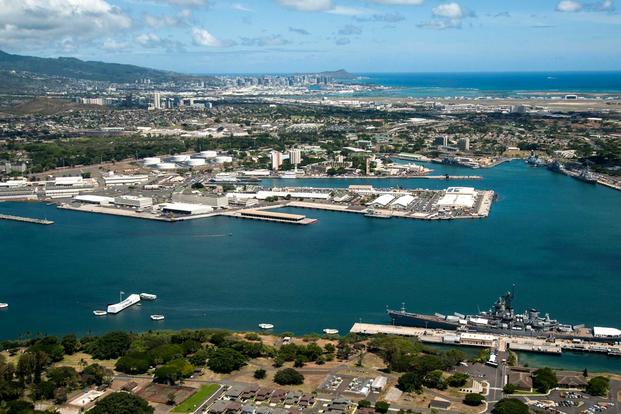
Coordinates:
(329, 331)
(148, 296)
(100, 313)
(266, 326)
(157, 317)
(4, 305)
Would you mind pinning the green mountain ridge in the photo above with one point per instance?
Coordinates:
(70, 67)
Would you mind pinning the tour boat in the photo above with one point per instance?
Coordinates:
(100, 313)
(148, 296)
(157, 317)
(329, 331)
(4, 305)
(266, 326)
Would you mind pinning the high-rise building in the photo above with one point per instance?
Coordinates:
(157, 100)
(276, 160)
(464, 144)
(295, 156)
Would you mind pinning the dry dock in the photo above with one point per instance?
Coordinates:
(25, 219)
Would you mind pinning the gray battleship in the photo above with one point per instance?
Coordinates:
(501, 319)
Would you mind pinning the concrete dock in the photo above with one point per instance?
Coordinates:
(486, 340)
(25, 219)
(261, 214)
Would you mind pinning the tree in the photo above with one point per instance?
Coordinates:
(288, 376)
(509, 388)
(95, 374)
(226, 360)
(364, 404)
(133, 363)
(544, 379)
(434, 380)
(259, 374)
(598, 386)
(111, 345)
(409, 382)
(122, 403)
(382, 407)
(457, 380)
(173, 372)
(474, 399)
(585, 373)
(510, 406)
(70, 344)
(65, 377)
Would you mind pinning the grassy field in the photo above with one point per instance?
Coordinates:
(196, 399)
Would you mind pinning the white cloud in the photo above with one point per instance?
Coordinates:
(33, 24)
(569, 6)
(448, 10)
(347, 11)
(184, 3)
(262, 41)
(111, 44)
(400, 2)
(240, 7)
(308, 5)
(181, 19)
(572, 6)
(202, 37)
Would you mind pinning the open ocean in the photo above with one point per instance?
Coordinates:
(501, 84)
(557, 238)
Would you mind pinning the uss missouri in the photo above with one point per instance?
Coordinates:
(502, 319)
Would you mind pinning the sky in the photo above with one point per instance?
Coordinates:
(281, 36)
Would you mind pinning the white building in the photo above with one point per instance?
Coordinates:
(211, 200)
(262, 195)
(458, 198)
(295, 156)
(382, 201)
(603, 332)
(68, 181)
(379, 383)
(94, 199)
(21, 182)
(276, 157)
(403, 202)
(186, 209)
(133, 201)
(157, 100)
(116, 180)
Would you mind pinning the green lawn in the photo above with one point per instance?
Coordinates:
(195, 400)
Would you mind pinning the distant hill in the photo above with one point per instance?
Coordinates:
(338, 74)
(79, 69)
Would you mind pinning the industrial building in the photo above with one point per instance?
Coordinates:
(458, 198)
(186, 209)
(212, 200)
(133, 201)
(382, 201)
(94, 199)
(118, 180)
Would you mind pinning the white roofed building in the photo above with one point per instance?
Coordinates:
(403, 202)
(186, 209)
(382, 201)
(458, 198)
(603, 332)
(115, 180)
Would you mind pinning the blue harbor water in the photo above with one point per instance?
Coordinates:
(557, 238)
(501, 84)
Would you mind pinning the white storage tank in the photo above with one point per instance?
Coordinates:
(179, 158)
(151, 160)
(221, 159)
(166, 166)
(195, 162)
(208, 154)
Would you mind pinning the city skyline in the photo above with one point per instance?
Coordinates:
(282, 36)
